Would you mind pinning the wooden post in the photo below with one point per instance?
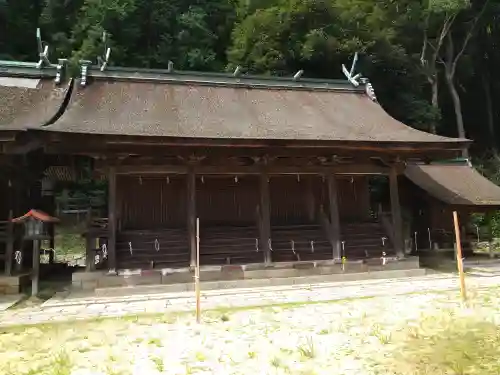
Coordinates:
(89, 252)
(9, 249)
(191, 215)
(265, 216)
(112, 219)
(397, 222)
(334, 215)
(490, 234)
(460, 264)
(197, 273)
(35, 272)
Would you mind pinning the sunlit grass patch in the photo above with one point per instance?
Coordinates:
(451, 342)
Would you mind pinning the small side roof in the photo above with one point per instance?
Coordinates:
(455, 184)
(29, 97)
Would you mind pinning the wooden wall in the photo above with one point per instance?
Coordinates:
(154, 202)
(294, 199)
(151, 202)
(354, 198)
(227, 200)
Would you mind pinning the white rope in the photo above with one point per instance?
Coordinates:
(416, 244)
(293, 247)
(18, 256)
(257, 245)
(157, 245)
(312, 246)
(96, 259)
(384, 259)
(104, 250)
(383, 241)
(269, 243)
(130, 248)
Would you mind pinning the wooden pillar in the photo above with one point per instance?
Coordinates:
(35, 272)
(89, 252)
(9, 247)
(111, 219)
(265, 216)
(334, 216)
(397, 222)
(191, 215)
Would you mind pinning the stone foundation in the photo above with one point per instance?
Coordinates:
(254, 274)
(13, 284)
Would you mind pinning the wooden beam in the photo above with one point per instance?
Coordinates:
(127, 142)
(191, 215)
(397, 222)
(112, 218)
(265, 216)
(347, 169)
(152, 169)
(334, 216)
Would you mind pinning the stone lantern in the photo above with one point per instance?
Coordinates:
(36, 228)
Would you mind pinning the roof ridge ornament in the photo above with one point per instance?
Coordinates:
(61, 64)
(170, 67)
(370, 91)
(297, 75)
(349, 74)
(358, 78)
(103, 61)
(43, 50)
(85, 64)
(237, 71)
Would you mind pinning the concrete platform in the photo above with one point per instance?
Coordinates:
(252, 275)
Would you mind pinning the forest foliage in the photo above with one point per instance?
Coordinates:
(433, 63)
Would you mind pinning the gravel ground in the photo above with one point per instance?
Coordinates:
(356, 336)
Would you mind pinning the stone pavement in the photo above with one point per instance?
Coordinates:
(9, 300)
(80, 306)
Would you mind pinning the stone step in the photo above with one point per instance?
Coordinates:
(262, 282)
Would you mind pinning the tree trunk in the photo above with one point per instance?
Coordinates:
(457, 106)
(434, 101)
(489, 111)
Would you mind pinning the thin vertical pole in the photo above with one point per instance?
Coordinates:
(460, 264)
(197, 272)
(35, 273)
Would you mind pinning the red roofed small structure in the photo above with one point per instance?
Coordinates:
(37, 215)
